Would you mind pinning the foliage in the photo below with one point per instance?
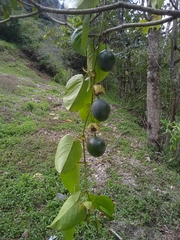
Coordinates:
(62, 76)
(29, 35)
(10, 31)
(78, 98)
(172, 128)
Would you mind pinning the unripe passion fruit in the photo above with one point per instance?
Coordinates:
(96, 146)
(100, 110)
(106, 60)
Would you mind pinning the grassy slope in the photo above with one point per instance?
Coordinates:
(32, 120)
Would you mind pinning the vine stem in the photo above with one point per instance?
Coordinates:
(85, 123)
(85, 170)
(84, 156)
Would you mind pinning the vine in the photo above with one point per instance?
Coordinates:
(83, 96)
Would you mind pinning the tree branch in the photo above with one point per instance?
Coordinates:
(25, 3)
(11, 17)
(61, 23)
(120, 4)
(173, 4)
(130, 25)
(166, 39)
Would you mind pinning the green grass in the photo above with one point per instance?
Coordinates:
(32, 120)
(14, 62)
(27, 203)
(151, 202)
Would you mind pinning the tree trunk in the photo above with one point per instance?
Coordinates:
(153, 92)
(174, 76)
(174, 70)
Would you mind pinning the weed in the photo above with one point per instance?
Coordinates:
(36, 107)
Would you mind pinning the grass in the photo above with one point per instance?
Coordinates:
(32, 120)
(151, 202)
(13, 63)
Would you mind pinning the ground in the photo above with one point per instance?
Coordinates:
(126, 161)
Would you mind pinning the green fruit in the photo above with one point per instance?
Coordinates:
(106, 60)
(100, 110)
(76, 39)
(96, 146)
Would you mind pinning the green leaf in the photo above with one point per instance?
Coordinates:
(80, 3)
(145, 30)
(156, 18)
(14, 4)
(89, 4)
(77, 94)
(68, 234)
(85, 32)
(103, 204)
(88, 205)
(92, 64)
(157, 3)
(79, 38)
(6, 11)
(91, 58)
(71, 213)
(71, 180)
(76, 40)
(68, 154)
(143, 20)
(83, 112)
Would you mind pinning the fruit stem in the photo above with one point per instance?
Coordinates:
(85, 170)
(85, 123)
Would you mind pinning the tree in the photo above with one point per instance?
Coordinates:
(153, 92)
(174, 72)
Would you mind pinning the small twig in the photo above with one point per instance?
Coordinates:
(173, 4)
(146, 24)
(27, 4)
(97, 15)
(115, 233)
(11, 17)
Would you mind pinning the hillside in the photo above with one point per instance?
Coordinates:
(32, 120)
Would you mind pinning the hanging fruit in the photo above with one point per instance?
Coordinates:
(96, 146)
(100, 109)
(106, 60)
